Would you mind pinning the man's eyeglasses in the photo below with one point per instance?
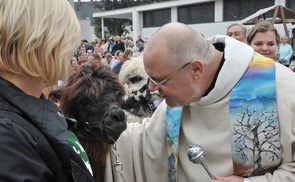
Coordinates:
(159, 83)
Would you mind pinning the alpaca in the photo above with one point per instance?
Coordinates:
(138, 100)
(91, 96)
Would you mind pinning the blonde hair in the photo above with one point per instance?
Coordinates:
(285, 37)
(37, 38)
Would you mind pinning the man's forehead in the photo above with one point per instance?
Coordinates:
(235, 29)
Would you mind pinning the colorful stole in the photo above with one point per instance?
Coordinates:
(255, 133)
(173, 121)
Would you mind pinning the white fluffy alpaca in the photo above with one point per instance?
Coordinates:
(138, 101)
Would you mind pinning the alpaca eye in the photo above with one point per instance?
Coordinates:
(135, 79)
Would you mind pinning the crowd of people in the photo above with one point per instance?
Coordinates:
(108, 52)
(230, 94)
(281, 49)
(111, 45)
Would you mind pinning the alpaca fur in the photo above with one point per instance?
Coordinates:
(91, 96)
(137, 105)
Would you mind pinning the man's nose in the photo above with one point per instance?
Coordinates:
(264, 47)
(152, 86)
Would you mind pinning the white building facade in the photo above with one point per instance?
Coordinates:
(209, 17)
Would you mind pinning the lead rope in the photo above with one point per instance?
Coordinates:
(118, 165)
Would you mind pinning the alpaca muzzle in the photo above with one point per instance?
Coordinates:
(111, 126)
(115, 122)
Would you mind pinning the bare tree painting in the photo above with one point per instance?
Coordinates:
(255, 140)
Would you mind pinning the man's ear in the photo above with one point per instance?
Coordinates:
(196, 68)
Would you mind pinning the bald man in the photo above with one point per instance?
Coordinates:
(218, 95)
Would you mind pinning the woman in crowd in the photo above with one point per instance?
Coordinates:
(74, 64)
(119, 59)
(83, 58)
(104, 44)
(98, 48)
(285, 51)
(37, 40)
(127, 54)
(264, 39)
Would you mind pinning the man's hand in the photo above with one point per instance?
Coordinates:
(228, 179)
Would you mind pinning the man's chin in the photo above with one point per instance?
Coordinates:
(171, 103)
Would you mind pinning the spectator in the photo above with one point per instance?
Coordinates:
(127, 55)
(111, 47)
(139, 45)
(83, 58)
(104, 45)
(38, 38)
(98, 48)
(293, 39)
(139, 41)
(87, 46)
(74, 65)
(292, 65)
(237, 31)
(128, 40)
(95, 59)
(119, 44)
(285, 51)
(131, 46)
(89, 52)
(116, 55)
(108, 59)
(118, 60)
(264, 39)
(82, 50)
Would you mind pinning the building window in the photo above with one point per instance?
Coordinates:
(290, 4)
(199, 13)
(240, 9)
(156, 18)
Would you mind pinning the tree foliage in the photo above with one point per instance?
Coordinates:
(116, 26)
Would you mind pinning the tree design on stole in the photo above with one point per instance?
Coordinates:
(256, 142)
